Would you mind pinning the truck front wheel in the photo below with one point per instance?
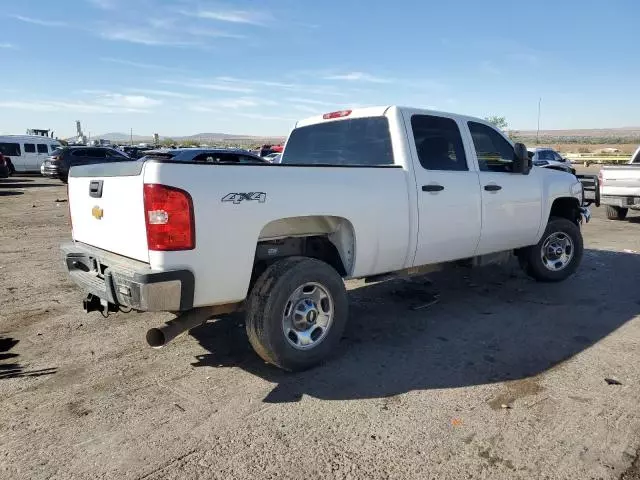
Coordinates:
(557, 255)
(616, 213)
(296, 313)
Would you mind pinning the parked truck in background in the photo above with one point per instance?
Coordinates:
(620, 188)
(371, 193)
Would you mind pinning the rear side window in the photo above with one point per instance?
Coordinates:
(438, 143)
(42, 148)
(79, 153)
(356, 142)
(29, 148)
(494, 153)
(96, 153)
(546, 155)
(10, 149)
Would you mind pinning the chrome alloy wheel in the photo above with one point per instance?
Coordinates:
(308, 316)
(557, 251)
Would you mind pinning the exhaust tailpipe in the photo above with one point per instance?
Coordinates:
(160, 336)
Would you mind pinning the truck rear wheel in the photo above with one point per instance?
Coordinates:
(296, 313)
(558, 253)
(616, 213)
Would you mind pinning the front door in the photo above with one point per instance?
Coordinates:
(449, 216)
(511, 202)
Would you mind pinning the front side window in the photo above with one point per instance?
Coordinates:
(10, 149)
(438, 143)
(42, 148)
(355, 142)
(30, 148)
(495, 154)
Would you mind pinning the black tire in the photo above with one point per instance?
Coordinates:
(12, 169)
(64, 179)
(616, 213)
(270, 297)
(531, 258)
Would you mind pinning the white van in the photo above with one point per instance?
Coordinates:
(27, 152)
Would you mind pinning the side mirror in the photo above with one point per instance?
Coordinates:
(521, 162)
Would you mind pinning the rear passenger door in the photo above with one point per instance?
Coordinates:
(511, 202)
(449, 217)
(30, 157)
(42, 152)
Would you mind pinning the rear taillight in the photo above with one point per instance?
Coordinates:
(169, 218)
(600, 178)
(3, 161)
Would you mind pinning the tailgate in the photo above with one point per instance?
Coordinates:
(107, 208)
(623, 180)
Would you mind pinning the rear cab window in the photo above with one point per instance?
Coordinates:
(352, 142)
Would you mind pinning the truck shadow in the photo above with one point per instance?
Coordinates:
(9, 368)
(490, 325)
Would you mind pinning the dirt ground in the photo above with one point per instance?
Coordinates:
(413, 392)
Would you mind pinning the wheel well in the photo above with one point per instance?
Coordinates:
(566, 207)
(317, 246)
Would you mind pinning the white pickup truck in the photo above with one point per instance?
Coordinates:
(369, 193)
(620, 188)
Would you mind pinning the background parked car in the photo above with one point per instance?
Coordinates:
(26, 153)
(135, 152)
(549, 158)
(61, 160)
(4, 167)
(205, 155)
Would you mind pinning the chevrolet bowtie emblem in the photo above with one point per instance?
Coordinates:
(97, 212)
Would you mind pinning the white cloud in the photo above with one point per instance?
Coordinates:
(142, 36)
(208, 32)
(221, 87)
(311, 101)
(162, 93)
(37, 21)
(130, 63)
(231, 16)
(358, 77)
(231, 103)
(128, 101)
(7, 45)
(59, 106)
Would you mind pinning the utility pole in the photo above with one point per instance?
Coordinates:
(131, 137)
(538, 132)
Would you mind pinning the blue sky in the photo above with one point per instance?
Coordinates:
(179, 67)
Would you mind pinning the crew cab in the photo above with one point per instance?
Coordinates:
(369, 193)
(620, 187)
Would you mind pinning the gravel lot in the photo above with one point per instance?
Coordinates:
(413, 393)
